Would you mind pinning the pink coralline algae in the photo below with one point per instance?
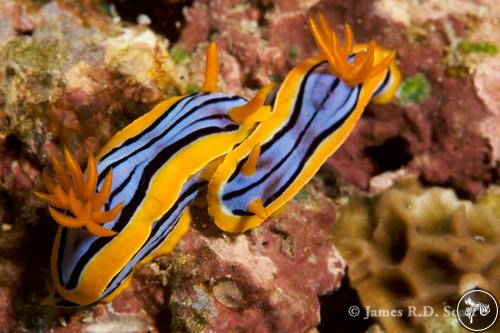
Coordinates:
(63, 79)
(266, 280)
(426, 137)
(260, 47)
(440, 138)
(73, 74)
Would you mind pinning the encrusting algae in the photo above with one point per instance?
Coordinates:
(416, 247)
(104, 76)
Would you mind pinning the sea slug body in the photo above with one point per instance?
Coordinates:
(146, 175)
(313, 112)
(252, 156)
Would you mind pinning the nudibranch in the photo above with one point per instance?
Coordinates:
(130, 204)
(313, 112)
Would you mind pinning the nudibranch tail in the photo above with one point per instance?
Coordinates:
(211, 69)
(73, 200)
(364, 65)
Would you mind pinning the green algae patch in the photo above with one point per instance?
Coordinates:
(302, 195)
(179, 54)
(293, 53)
(414, 90)
(192, 88)
(39, 54)
(477, 47)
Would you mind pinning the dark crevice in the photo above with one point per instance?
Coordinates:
(14, 145)
(251, 82)
(263, 6)
(390, 155)
(440, 267)
(10, 72)
(165, 15)
(327, 181)
(33, 284)
(396, 284)
(27, 33)
(335, 316)
(396, 231)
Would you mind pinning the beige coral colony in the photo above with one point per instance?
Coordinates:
(249, 166)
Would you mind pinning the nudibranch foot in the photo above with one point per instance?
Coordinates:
(73, 198)
(55, 299)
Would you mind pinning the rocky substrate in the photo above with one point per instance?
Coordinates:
(73, 73)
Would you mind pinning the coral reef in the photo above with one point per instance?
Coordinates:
(73, 73)
(266, 280)
(452, 126)
(258, 44)
(70, 75)
(441, 45)
(411, 246)
(68, 70)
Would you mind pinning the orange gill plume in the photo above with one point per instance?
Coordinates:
(363, 66)
(73, 200)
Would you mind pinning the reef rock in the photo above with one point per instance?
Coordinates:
(265, 280)
(416, 247)
(62, 78)
(446, 137)
(259, 42)
(451, 124)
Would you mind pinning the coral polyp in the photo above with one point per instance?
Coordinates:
(411, 247)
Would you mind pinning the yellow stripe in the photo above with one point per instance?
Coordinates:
(138, 125)
(53, 260)
(163, 191)
(285, 99)
(283, 107)
(166, 247)
(387, 96)
(106, 264)
(173, 237)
